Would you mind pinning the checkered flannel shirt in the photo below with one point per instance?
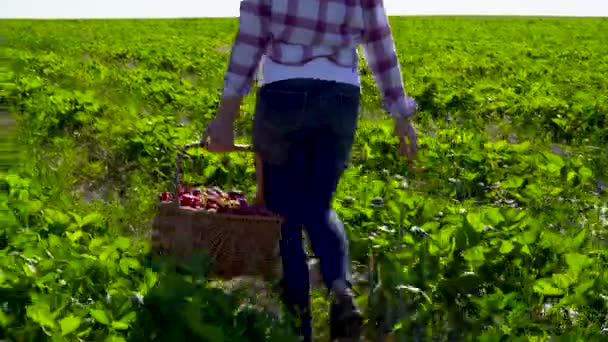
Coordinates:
(293, 32)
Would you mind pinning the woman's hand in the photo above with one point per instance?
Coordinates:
(221, 135)
(404, 129)
(221, 129)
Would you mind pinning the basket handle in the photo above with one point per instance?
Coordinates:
(203, 144)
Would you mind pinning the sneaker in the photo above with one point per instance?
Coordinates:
(345, 317)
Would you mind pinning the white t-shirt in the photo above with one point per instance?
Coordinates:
(319, 68)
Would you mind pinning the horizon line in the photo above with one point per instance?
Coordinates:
(573, 16)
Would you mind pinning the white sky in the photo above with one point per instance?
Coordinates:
(227, 8)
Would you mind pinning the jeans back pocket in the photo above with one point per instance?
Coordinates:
(280, 110)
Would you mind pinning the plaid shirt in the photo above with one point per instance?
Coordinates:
(293, 32)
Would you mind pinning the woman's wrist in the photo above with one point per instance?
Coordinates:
(229, 107)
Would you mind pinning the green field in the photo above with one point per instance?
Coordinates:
(505, 213)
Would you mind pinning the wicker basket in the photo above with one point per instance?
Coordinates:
(236, 245)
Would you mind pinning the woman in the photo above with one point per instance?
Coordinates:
(304, 125)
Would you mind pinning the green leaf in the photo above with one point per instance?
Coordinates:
(76, 217)
(521, 147)
(512, 182)
(580, 238)
(56, 217)
(493, 216)
(513, 215)
(585, 174)
(122, 243)
(69, 324)
(545, 287)
(74, 236)
(555, 159)
(554, 169)
(118, 325)
(571, 177)
(475, 255)
(445, 237)
(40, 312)
(150, 279)
(576, 262)
(563, 281)
(474, 219)
(506, 247)
(584, 287)
(431, 227)
(126, 264)
(533, 191)
(117, 338)
(5, 319)
(129, 317)
(529, 236)
(100, 316)
(429, 210)
(93, 218)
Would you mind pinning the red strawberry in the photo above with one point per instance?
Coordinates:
(165, 196)
(186, 200)
(195, 202)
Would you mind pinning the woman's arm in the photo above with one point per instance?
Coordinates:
(379, 52)
(247, 50)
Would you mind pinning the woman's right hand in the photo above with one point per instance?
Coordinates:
(404, 129)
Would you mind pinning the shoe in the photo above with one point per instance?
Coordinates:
(345, 317)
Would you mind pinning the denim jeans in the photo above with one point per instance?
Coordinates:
(304, 131)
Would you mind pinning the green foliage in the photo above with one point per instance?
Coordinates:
(504, 212)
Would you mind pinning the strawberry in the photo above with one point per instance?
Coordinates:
(165, 196)
(187, 199)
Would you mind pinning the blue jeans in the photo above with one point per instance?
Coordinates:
(304, 131)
